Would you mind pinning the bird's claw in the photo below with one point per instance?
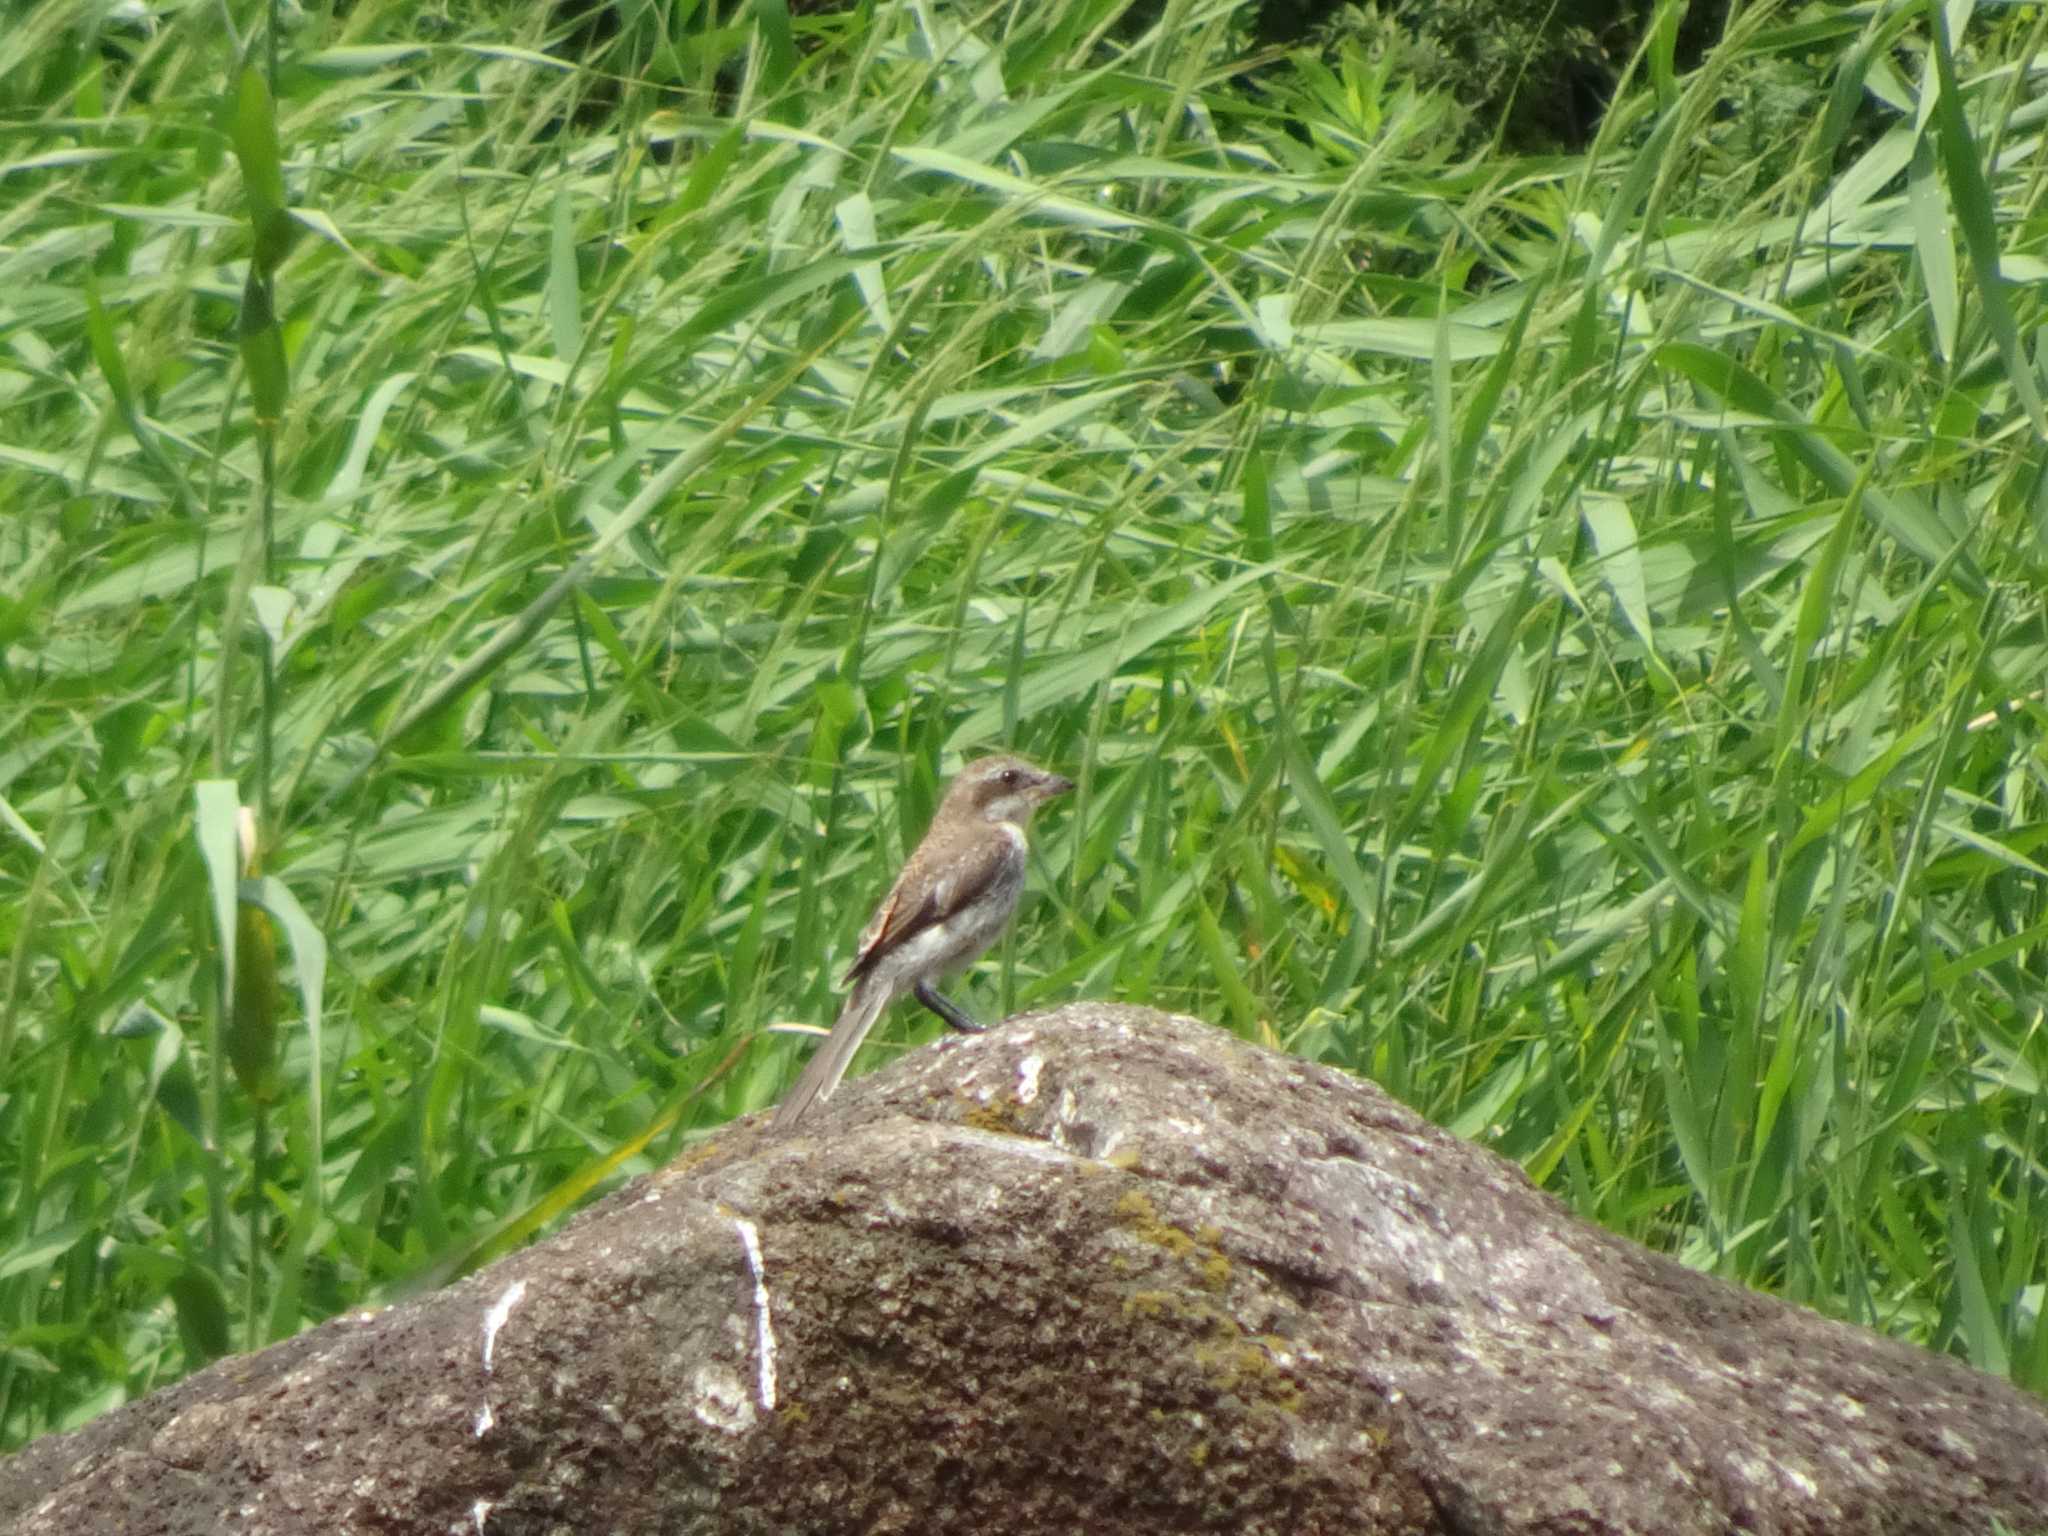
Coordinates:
(947, 1009)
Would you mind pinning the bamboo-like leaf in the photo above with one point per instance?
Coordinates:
(254, 131)
(216, 820)
(778, 46)
(309, 966)
(1970, 197)
(565, 286)
(1936, 250)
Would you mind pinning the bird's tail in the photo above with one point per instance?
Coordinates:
(829, 1062)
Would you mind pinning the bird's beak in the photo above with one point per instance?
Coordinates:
(1055, 785)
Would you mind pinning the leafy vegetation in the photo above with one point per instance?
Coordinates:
(1560, 636)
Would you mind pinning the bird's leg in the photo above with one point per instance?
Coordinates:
(950, 1011)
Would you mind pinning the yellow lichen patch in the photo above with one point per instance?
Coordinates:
(998, 1117)
(1152, 1305)
(1237, 1362)
(1198, 1248)
(1136, 1207)
(1241, 1365)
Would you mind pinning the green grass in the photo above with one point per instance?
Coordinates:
(1561, 637)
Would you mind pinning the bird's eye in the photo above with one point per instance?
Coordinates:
(1011, 778)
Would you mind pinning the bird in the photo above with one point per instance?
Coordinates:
(953, 898)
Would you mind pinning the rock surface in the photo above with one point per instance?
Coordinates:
(1099, 1270)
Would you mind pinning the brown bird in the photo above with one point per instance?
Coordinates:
(953, 899)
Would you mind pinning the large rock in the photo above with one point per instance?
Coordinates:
(1100, 1270)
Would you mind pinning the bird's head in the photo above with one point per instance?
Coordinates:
(1003, 788)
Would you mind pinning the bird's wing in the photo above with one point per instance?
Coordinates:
(932, 889)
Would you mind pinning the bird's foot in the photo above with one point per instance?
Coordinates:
(946, 1009)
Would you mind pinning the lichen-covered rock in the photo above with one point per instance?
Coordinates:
(1100, 1270)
